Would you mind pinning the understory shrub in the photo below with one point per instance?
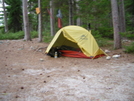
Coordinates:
(128, 34)
(47, 37)
(102, 41)
(11, 36)
(130, 48)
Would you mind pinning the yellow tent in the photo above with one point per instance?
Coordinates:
(77, 37)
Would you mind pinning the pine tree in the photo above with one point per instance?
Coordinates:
(14, 15)
(5, 16)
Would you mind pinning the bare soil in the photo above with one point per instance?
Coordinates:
(27, 74)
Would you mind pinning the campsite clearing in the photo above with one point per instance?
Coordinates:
(27, 74)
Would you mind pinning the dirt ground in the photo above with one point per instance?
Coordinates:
(27, 74)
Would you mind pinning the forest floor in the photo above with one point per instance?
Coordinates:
(27, 74)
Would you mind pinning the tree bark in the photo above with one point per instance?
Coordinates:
(40, 22)
(5, 16)
(122, 16)
(78, 20)
(115, 17)
(26, 21)
(70, 13)
(51, 18)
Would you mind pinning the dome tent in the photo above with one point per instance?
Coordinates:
(78, 38)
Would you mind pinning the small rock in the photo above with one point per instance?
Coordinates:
(1, 42)
(107, 51)
(116, 56)
(20, 49)
(41, 59)
(108, 57)
(126, 40)
(32, 48)
(40, 50)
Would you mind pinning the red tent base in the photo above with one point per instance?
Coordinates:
(78, 54)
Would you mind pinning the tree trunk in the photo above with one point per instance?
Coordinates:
(70, 13)
(78, 20)
(40, 22)
(30, 20)
(26, 21)
(122, 16)
(5, 16)
(52, 18)
(117, 37)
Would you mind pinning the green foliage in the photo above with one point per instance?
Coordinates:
(33, 17)
(14, 15)
(130, 48)
(1, 29)
(47, 36)
(106, 32)
(10, 35)
(96, 34)
(97, 13)
(129, 14)
(17, 35)
(128, 34)
(20, 35)
(34, 34)
(102, 42)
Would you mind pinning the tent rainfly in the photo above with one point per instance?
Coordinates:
(74, 41)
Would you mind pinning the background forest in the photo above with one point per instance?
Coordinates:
(73, 12)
